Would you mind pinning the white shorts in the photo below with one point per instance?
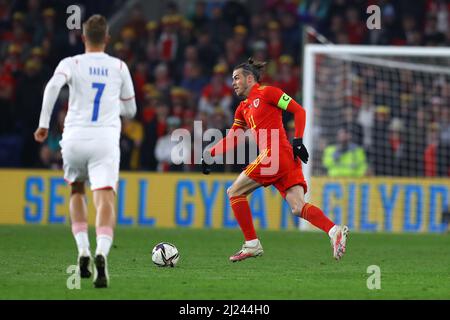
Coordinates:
(95, 160)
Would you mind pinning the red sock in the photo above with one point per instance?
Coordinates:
(243, 216)
(316, 217)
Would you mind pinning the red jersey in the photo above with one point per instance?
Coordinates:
(261, 113)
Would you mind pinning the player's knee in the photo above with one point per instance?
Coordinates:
(297, 208)
(296, 211)
(232, 192)
(77, 187)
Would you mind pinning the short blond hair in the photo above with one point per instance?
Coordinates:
(95, 29)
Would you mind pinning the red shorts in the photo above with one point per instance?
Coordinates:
(288, 174)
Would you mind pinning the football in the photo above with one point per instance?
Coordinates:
(165, 254)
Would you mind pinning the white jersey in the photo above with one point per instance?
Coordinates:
(99, 87)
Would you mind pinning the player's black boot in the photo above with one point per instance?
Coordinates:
(101, 278)
(84, 263)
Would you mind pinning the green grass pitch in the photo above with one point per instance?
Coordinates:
(296, 265)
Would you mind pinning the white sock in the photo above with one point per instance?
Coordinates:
(104, 243)
(332, 231)
(252, 243)
(82, 240)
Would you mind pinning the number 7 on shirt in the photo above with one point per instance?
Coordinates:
(100, 87)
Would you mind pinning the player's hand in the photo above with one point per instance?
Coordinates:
(41, 134)
(299, 149)
(206, 169)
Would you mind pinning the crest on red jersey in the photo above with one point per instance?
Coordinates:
(256, 103)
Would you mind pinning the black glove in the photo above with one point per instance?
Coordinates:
(205, 167)
(299, 149)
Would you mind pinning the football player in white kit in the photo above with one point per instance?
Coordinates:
(101, 90)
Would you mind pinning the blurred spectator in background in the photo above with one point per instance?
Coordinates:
(217, 95)
(365, 118)
(155, 127)
(181, 61)
(236, 13)
(290, 30)
(5, 13)
(151, 36)
(37, 55)
(53, 38)
(193, 79)
(352, 125)
(140, 78)
(133, 134)
(29, 86)
(345, 158)
(179, 101)
(313, 11)
(199, 18)
(430, 153)
(397, 148)
(45, 159)
(380, 155)
(163, 81)
(7, 86)
(123, 52)
(168, 40)
(287, 76)
(208, 52)
(218, 27)
(137, 21)
(172, 155)
(433, 36)
(415, 142)
(13, 63)
(444, 144)
(355, 26)
(219, 120)
(126, 148)
(275, 41)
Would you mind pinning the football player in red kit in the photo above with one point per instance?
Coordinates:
(278, 162)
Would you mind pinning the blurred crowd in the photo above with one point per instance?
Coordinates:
(181, 65)
(380, 120)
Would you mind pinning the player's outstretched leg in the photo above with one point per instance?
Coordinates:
(252, 246)
(104, 202)
(338, 234)
(237, 194)
(338, 238)
(314, 215)
(78, 216)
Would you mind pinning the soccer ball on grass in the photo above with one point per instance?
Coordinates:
(165, 254)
